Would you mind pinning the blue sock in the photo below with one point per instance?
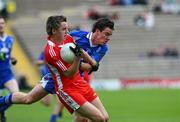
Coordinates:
(6, 100)
(53, 118)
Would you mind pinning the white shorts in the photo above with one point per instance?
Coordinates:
(48, 84)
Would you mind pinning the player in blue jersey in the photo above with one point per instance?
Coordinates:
(94, 43)
(7, 78)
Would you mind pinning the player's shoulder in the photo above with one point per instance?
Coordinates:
(78, 34)
(49, 47)
(50, 52)
(9, 38)
(50, 43)
(104, 47)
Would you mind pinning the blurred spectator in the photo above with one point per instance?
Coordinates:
(145, 19)
(94, 14)
(167, 7)
(7, 7)
(140, 2)
(164, 51)
(74, 27)
(22, 82)
(3, 9)
(128, 2)
(113, 2)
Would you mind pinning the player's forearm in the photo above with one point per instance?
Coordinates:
(88, 58)
(85, 66)
(39, 63)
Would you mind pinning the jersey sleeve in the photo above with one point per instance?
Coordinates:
(99, 55)
(10, 42)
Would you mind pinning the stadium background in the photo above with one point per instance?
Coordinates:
(133, 87)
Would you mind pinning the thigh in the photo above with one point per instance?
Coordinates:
(89, 111)
(98, 104)
(79, 118)
(6, 76)
(12, 85)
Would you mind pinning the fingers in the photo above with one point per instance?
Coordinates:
(13, 61)
(76, 50)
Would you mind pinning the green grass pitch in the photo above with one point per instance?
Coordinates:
(145, 105)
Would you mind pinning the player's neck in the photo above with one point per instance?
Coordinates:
(56, 39)
(93, 39)
(1, 34)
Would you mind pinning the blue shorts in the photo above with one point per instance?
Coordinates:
(48, 84)
(5, 76)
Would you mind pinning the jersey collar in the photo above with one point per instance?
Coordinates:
(89, 36)
(52, 43)
(4, 37)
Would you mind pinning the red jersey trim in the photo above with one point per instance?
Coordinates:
(61, 65)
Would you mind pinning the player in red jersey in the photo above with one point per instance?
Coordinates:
(74, 92)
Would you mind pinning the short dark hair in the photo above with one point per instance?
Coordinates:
(1, 17)
(103, 23)
(53, 22)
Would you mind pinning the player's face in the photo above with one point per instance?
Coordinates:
(62, 30)
(2, 25)
(104, 36)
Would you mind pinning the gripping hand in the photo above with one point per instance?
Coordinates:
(76, 50)
(13, 61)
(94, 68)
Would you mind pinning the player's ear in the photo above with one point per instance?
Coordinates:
(53, 31)
(98, 31)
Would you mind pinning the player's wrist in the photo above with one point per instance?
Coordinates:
(94, 63)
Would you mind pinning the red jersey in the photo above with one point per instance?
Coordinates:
(56, 64)
(73, 92)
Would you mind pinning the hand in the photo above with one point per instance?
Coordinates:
(94, 68)
(13, 61)
(77, 50)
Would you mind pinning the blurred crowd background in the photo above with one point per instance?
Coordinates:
(145, 43)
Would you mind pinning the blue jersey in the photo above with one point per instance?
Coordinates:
(6, 44)
(44, 68)
(83, 39)
(6, 73)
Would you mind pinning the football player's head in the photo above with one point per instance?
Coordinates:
(57, 25)
(102, 30)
